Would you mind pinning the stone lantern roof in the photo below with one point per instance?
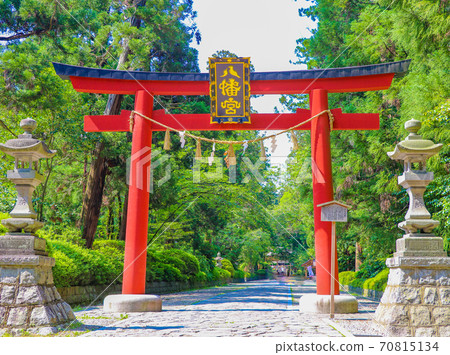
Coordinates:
(26, 147)
(414, 148)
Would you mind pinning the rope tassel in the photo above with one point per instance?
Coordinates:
(263, 152)
(294, 141)
(198, 150)
(167, 144)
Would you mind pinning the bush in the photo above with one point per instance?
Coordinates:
(221, 274)
(3, 229)
(206, 264)
(118, 245)
(76, 266)
(357, 283)
(369, 268)
(201, 277)
(174, 261)
(192, 264)
(65, 272)
(227, 265)
(164, 272)
(346, 277)
(377, 283)
(63, 233)
(239, 274)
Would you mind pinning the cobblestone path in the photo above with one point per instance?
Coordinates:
(257, 308)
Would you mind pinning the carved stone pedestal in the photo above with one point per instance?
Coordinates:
(416, 301)
(28, 298)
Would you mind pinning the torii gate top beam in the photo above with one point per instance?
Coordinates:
(349, 79)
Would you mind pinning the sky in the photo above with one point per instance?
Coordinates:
(264, 30)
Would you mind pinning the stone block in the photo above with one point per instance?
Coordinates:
(59, 312)
(425, 332)
(27, 277)
(49, 294)
(132, 303)
(405, 295)
(398, 331)
(321, 304)
(430, 295)
(444, 296)
(420, 246)
(392, 314)
(420, 316)
(30, 295)
(398, 276)
(8, 295)
(68, 311)
(49, 280)
(444, 331)
(426, 276)
(441, 315)
(17, 317)
(42, 315)
(56, 294)
(26, 260)
(386, 295)
(8, 275)
(2, 315)
(443, 277)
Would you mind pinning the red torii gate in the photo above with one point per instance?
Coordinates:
(144, 85)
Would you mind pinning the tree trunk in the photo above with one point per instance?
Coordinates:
(123, 219)
(92, 201)
(358, 252)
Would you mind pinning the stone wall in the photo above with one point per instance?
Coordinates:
(416, 302)
(28, 298)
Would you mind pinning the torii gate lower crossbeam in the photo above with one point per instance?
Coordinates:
(316, 83)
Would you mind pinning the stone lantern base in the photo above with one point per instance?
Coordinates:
(28, 298)
(416, 301)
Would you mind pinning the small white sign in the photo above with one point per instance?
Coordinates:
(334, 213)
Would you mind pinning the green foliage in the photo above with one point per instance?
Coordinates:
(378, 282)
(61, 232)
(221, 274)
(346, 277)
(3, 230)
(190, 265)
(76, 266)
(239, 274)
(163, 272)
(201, 277)
(370, 268)
(357, 282)
(227, 265)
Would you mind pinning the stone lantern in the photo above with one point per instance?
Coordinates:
(416, 301)
(26, 150)
(28, 297)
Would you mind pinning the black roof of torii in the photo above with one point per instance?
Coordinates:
(399, 68)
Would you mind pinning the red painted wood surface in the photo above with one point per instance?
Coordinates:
(163, 87)
(138, 199)
(259, 121)
(322, 191)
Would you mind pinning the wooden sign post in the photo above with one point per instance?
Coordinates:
(333, 212)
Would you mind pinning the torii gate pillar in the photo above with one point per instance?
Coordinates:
(322, 189)
(138, 198)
